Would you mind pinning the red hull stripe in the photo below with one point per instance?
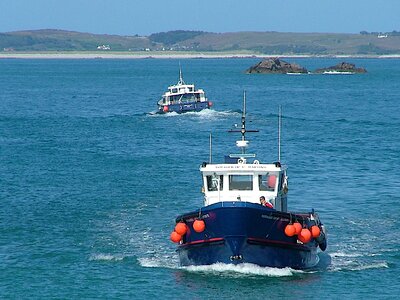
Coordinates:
(278, 243)
(203, 241)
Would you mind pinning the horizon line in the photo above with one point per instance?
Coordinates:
(192, 30)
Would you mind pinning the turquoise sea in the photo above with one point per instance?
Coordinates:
(91, 179)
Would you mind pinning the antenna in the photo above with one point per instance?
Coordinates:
(243, 143)
(210, 148)
(180, 75)
(243, 131)
(279, 132)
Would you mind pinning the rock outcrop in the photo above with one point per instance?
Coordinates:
(275, 66)
(342, 67)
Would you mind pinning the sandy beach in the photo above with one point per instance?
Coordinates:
(164, 55)
(122, 55)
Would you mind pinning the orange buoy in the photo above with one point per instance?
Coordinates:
(199, 225)
(290, 230)
(165, 108)
(271, 181)
(175, 237)
(315, 231)
(305, 235)
(210, 104)
(298, 227)
(181, 228)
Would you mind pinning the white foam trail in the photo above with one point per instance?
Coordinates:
(243, 269)
(204, 114)
(353, 266)
(219, 268)
(378, 265)
(106, 257)
(155, 262)
(342, 254)
(214, 114)
(355, 261)
(157, 115)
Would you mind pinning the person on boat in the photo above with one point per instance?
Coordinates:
(265, 202)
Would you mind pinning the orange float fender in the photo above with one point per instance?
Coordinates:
(199, 225)
(290, 230)
(181, 228)
(298, 227)
(315, 231)
(305, 235)
(175, 237)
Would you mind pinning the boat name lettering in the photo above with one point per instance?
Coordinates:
(242, 167)
(274, 218)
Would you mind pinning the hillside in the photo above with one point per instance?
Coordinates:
(274, 43)
(60, 40)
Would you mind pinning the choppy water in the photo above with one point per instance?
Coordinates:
(91, 179)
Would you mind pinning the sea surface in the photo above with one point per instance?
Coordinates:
(91, 178)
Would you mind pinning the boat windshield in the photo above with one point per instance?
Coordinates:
(184, 98)
(241, 182)
(190, 97)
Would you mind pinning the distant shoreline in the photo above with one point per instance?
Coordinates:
(163, 55)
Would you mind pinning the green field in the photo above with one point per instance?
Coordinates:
(261, 43)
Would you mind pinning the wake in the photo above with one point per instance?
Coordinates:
(204, 114)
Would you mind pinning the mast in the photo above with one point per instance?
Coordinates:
(243, 131)
(210, 148)
(279, 132)
(180, 75)
(243, 144)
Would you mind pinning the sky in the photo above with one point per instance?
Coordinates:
(144, 17)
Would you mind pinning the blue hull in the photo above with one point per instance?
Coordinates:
(241, 232)
(186, 107)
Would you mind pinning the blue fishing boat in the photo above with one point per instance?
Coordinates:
(245, 218)
(183, 97)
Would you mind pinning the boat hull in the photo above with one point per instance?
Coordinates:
(185, 107)
(241, 232)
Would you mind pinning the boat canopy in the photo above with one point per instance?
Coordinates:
(183, 94)
(179, 89)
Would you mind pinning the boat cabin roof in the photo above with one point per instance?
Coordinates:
(180, 86)
(182, 89)
(255, 167)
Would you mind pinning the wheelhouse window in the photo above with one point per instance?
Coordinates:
(267, 182)
(187, 97)
(241, 182)
(212, 182)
